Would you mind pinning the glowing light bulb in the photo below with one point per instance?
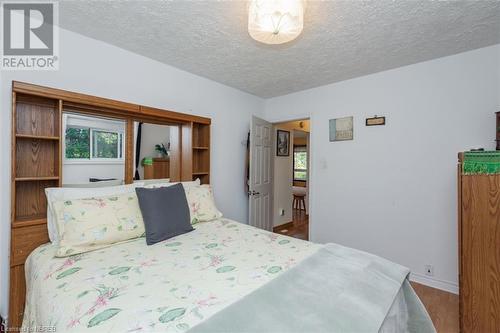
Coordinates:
(275, 21)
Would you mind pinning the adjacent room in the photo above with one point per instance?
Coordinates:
(250, 166)
(291, 165)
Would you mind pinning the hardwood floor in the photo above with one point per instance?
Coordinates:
(442, 306)
(298, 228)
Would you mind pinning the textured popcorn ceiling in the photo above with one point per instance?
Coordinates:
(341, 39)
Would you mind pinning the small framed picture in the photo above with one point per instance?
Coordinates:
(341, 129)
(283, 143)
(375, 121)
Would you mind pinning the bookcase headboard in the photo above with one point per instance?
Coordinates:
(37, 142)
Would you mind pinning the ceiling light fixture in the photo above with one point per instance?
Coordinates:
(275, 21)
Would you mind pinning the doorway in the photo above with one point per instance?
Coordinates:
(291, 163)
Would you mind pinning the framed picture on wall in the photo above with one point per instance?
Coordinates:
(341, 129)
(283, 143)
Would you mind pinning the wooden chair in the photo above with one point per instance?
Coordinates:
(299, 201)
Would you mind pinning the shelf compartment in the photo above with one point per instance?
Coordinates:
(204, 178)
(37, 158)
(37, 116)
(31, 203)
(201, 135)
(38, 137)
(201, 161)
(29, 221)
(30, 179)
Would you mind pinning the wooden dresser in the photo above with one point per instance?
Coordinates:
(479, 249)
(160, 169)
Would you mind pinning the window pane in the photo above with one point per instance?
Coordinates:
(300, 160)
(105, 144)
(77, 142)
(300, 175)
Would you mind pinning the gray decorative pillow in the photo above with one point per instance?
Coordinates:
(165, 212)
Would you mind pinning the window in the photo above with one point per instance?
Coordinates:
(77, 142)
(300, 163)
(106, 144)
(93, 139)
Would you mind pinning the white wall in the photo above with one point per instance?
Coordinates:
(152, 135)
(96, 68)
(392, 190)
(79, 173)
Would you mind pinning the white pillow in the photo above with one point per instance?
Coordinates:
(201, 204)
(153, 181)
(104, 183)
(92, 223)
(63, 193)
(167, 184)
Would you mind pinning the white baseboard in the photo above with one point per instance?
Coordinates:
(448, 286)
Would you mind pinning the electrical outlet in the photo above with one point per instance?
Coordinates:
(429, 270)
(282, 212)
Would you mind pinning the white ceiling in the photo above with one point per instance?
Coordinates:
(341, 39)
(299, 134)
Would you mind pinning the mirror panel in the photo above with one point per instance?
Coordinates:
(93, 150)
(153, 146)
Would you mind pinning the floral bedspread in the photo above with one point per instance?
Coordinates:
(169, 287)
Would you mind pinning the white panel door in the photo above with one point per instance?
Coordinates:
(261, 182)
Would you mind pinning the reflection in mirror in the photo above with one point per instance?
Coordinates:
(93, 151)
(152, 151)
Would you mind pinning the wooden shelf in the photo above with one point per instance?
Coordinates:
(201, 153)
(37, 137)
(30, 179)
(29, 221)
(201, 135)
(37, 154)
(204, 179)
(37, 158)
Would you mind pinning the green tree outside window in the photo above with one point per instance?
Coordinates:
(299, 163)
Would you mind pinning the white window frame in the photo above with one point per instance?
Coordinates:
(99, 125)
(302, 149)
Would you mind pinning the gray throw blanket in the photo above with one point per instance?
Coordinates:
(337, 289)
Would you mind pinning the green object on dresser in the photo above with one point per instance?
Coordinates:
(481, 163)
(147, 161)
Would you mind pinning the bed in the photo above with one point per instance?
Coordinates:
(173, 286)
